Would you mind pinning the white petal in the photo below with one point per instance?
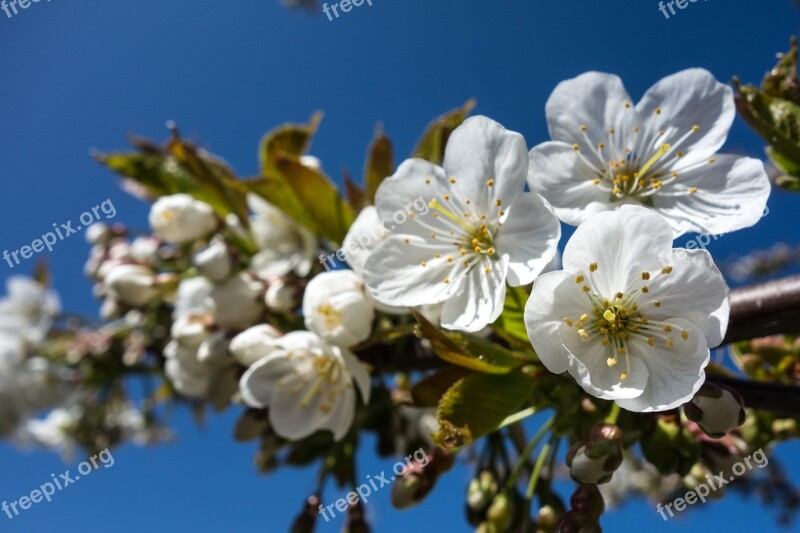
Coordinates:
(732, 194)
(342, 416)
(695, 291)
(624, 243)
(395, 276)
(595, 100)
(675, 373)
(589, 366)
(260, 381)
(293, 420)
(553, 297)
(481, 149)
(686, 99)
(413, 185)
(528, 238)
(366, 232)
(558, 173)
(480, 300)
(359, 373)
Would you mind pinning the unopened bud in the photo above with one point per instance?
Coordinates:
(214, 261)
(305, 521)
(481, 491)
(716, 409)
(281, 296)
(501, 512)
(596, 459)
(356, 522)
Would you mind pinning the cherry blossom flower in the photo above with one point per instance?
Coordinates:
(337, 309)
(307, 385)
(284, 244)
(482, 228)
(630, 318)
(180, 218)
(660, 153)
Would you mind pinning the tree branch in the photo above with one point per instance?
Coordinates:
(765, 309)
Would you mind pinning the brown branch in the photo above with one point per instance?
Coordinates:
(765, 309)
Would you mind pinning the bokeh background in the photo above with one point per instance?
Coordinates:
(78, 75)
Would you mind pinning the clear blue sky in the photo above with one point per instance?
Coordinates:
(77, 75)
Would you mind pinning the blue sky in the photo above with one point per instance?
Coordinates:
(82, 75)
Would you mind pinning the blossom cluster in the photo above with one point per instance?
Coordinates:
(225, 298)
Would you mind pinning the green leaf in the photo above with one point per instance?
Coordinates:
(429, 391)
(431, 145)
(468, 351)
(477, 404)
(380, 163)
(180, 168)
(511, 324)
(303, 193)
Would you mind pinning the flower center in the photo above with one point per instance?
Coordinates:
(615, 321)
(621, 167)
(332, 317)
(462, 225)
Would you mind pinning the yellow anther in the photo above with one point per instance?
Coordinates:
(667, 328)
(611, 361)
(667, 270)
(623, 376)
(651, 341)
(685, 335)
(489, 183)
(645, 276)
(592, 267)
(584, 317)
(610, 316)
(579, 279)
(583, 334)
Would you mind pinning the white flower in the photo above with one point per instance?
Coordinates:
(50, 432)
(307, 385)
(134, 285)
(214, 350)
(660, 153)
(285, 245)
(145, 249)
(238, 303)
(254, 343)
(188, 375)
(482, 228)
(190, 330)
(337, 309)
(194, 297)
(281, 296)
(180, 218)
(28, 310)
(630, 318)
(214, 261)
(364, 235)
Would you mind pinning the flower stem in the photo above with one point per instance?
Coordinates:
(523, 457)
(613, 414)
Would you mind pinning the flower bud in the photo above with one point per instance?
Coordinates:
(134, 285)
(254, 343)
(99, 233)
(213, 350)
(144, 249)
(281, 296)
(337, 309)
(716, 409)
(238, 302)
(214, 261)
(179, 218)
(587, 500)
(596, 459)
(190, 330)
(356, 523)
(305, 521)
(501, 512)
(481, 491)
